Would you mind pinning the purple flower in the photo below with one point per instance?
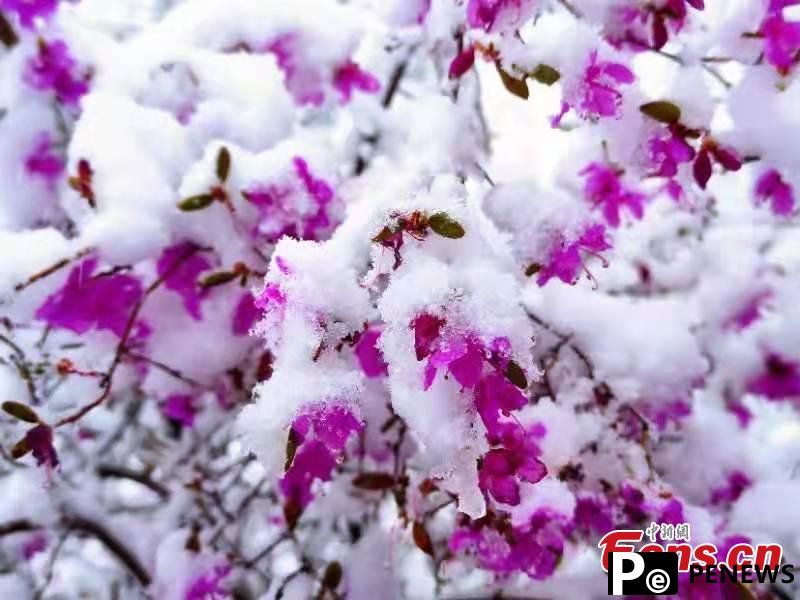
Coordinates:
(779, 381)
(771, 186)
(307, 81)
(180, 408)
(502, 468)
(593, 515)
(565, 259)
(301, 207)
(40, 441)
(322, 433)
(245, 315)
(209, 585)
(303, 80)
(750, 312)
(499, 15)
(42, 161)
(54, 69)
(735, 486)
(666, 154)
(33, 545)
(462, 356)
(349, 77)
(781, 41)
(369, 355)
(427, 329)
(604, 189)
(86, 302)
(668, 412)
(702, 168)
(496, 397)
(534, 548)
(29, 10)
(462, 63)
(597, 94)
(180, 267)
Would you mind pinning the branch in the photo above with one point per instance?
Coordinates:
(112, 544)
(112, 471)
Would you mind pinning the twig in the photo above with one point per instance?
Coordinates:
(112, 471)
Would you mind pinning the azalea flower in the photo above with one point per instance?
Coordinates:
(771, 187)
(54, 69)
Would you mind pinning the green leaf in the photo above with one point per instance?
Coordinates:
(21, 411)
(332, 576)
(223, 164)
(662, 111)
(518, 87)
(198, 202)
(442, 224)
(20, 449)
(532, 269)
(421, 538)
(516, 375)
(546, 74)
(218, 278)
(292, 443)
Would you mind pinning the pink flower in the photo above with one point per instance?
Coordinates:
(54, 69)
(302, 207)
(209, 585)
(735, 486)
(502, 468)
(771, 186)
(643, 27)
(322, 435)
(496, 397)
(369, 355)
(245, 315)
(702, 168)
(180, 408)
(86, 302)
(33, 545)
(666, 154)
(29, 10)
(597, 94)
(180, 266)
(781, 41)
(593, 515)
(462, 356)
(40, 441)
(534, 548)
(750, 312)
(349, 77)
(499, 15)
(565, 259)
(42, 161)
(306, 81)
(462, 63)
(604, 189)
(779, 381)
(427, 329)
